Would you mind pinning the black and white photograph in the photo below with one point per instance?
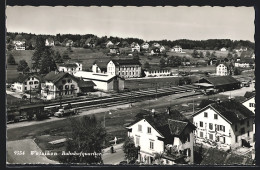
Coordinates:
(127, 85)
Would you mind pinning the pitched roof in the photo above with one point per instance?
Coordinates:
(50, 39)
(70, 65)
(176, 127)
(221, 80)
(102, 64)
(22, 77)
(94, 76)
(249, 94)
(126, 62)
(56, 76)
(83, 83)
(231, 110)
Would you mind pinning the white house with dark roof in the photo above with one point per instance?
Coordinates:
(109, 43)
(49, 42)
(26, 82)
(103, 82)
(222, 70)
(135, 47)
(223, 49)
(125, 68)
(162, 49)
(164, 134)
(227, 123)
(249, 102)
(100, 67)
(70, 67)
(177, 49)
(59, 84)
(145, 46)
(19, 45)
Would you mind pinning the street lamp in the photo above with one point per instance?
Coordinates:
(105, 118)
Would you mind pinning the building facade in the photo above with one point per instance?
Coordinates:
(157, 72)
(71, 68)
(225, 123)
(19, 45)
(124, 68)
(177, 49)
(222, 70)
(135, 47)
(49, 42)
(59, 85)
(26, 82)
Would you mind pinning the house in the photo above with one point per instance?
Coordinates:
(222, 69)
(19, 45)
(249, 102)
(223, 49)
(219, 83)
(27, 82)
(241, 49)
(109, 43)
(86, 86)
(162, 49)
(69, 43)
(135, 47)
(49, 42)
(168, 134)
(103, 82)
(114, 49)
(155, 51)
(212, 61)
(157, 72)
(245, 63)
(70, 67)
(59, 85)
(156, 45)
(125, 68)
(145, 46)
(100, 67)
(177, 49)
(227, 123)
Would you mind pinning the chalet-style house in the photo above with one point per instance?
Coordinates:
(227, 123)
(249, 102)
(19, 45)
(49, 42)
(69, 43)
(223, 49)
(219, 83)
(100, 67)
(162, 49)
(155, 51)
(222, 69)
(114, 49)
(169, 134)
(135, 47)
(177, 49)
(109, 43)
(103, 82)
(145, 46)
(127, 68)
(25, 83)
(70, 67)
(90, 42)
(59, 84)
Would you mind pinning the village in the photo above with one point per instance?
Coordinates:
(127, 86)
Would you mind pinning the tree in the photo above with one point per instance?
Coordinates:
(146, 65)
(131, 152)
(136, 57)
(195, 54)
(47, 62)
(58, 58)
(87, 136)
(37, 55)
(23, 66)
(201, 55)
(11, 59)
(237, 71)
(207, 54)
(162, 63)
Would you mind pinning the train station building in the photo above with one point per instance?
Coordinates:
(220, 83)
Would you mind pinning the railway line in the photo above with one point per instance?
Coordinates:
(123, 98)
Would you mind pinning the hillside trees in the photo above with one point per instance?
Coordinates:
(195, 54)
(11, 59)
(87, 136)
(23, 66)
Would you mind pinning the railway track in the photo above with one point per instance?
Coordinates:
(123, 98)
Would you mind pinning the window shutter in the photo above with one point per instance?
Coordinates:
(223, 128)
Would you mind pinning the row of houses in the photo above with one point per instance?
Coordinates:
(169, 134)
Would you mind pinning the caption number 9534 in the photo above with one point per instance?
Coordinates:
(19, 152)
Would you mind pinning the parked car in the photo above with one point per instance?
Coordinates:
(65, 111)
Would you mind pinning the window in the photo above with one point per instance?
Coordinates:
(224, 140)
(235, 127)
(149, 130)
(236, 139)
(201, 134)
(140, 128)
(215, 116)
(151, 144)
(36, 82)
(188, 152)
(25, 88)
(211, 136)
(248, 123)
(210, 126)
(32, 78)
(188, 138)
(205, 114)
(30, 83)
(251, 104)
(25, 83)
(201, 124)
(69, 80)
(72, 86)
(248, 134)
(137, 140)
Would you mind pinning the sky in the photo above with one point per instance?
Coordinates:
(148, 23)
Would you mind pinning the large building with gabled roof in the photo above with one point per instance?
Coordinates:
(26, 82)
(227, 123)
(168, 133)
